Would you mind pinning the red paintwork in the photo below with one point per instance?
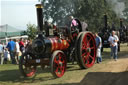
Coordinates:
(31, 73)
(58, 44)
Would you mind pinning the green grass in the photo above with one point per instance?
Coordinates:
(10, 75)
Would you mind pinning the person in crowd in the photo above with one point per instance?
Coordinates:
(1, 53)
(113, 40)
(21, 43)
(74, 26)
(73, 21)
(17, 50)
(98, 47)
(6, 53)
(25, 43)
(11, 49)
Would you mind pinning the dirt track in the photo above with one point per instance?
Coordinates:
(111, 73)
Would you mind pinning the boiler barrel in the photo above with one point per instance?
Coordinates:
(58, 44)
(48, 45)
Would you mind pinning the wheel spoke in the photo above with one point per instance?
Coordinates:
(59, 55)
(85, 42)
(83, 54)
(56, 61)
(56, 69)
(85, 58)
(63, 61)
(89, 40)
(61, 69)
(91, 57)
(84, 47)
(88, 61)
(92, 48)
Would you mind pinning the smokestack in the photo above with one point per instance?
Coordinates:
(39, 17)
(121, 23)
(105, 20)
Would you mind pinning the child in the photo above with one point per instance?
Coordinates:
(6, 53)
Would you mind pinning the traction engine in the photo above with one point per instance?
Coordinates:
(66, 44)
(123, 32)
(105, 32)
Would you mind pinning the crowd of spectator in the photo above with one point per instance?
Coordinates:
(12, 51)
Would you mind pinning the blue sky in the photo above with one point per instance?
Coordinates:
(18, 13)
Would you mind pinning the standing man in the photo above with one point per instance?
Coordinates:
(17, 51)
(11, 48)
(113, 39)
(98, 46)
(1, 53)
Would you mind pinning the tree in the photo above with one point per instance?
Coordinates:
(90, 11)
(125, 12)
(93, 12)
(31, 31)
(58, 10)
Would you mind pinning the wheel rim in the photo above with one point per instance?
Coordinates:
(88, 50)
(27, 69)
(59, 64)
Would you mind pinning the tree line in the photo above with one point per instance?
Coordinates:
(90, 11)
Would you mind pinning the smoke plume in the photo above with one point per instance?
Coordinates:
(118, 7)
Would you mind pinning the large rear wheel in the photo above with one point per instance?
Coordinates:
(86, 50)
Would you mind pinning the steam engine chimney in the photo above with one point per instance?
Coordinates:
(105, 21)
(39, 17)
(121, 23)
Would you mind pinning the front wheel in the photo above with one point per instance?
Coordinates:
(58, 64)
(25, 68)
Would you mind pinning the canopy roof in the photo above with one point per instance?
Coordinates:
(9, 31)
(8, 28)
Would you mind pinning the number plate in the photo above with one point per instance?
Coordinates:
(37, 60)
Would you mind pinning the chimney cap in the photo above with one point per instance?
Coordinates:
(39, 6)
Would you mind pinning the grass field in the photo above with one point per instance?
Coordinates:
(10, 75)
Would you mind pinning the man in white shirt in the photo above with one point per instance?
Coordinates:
(113, 39)
(17, 50)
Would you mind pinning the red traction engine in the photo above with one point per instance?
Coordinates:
(58, 49)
